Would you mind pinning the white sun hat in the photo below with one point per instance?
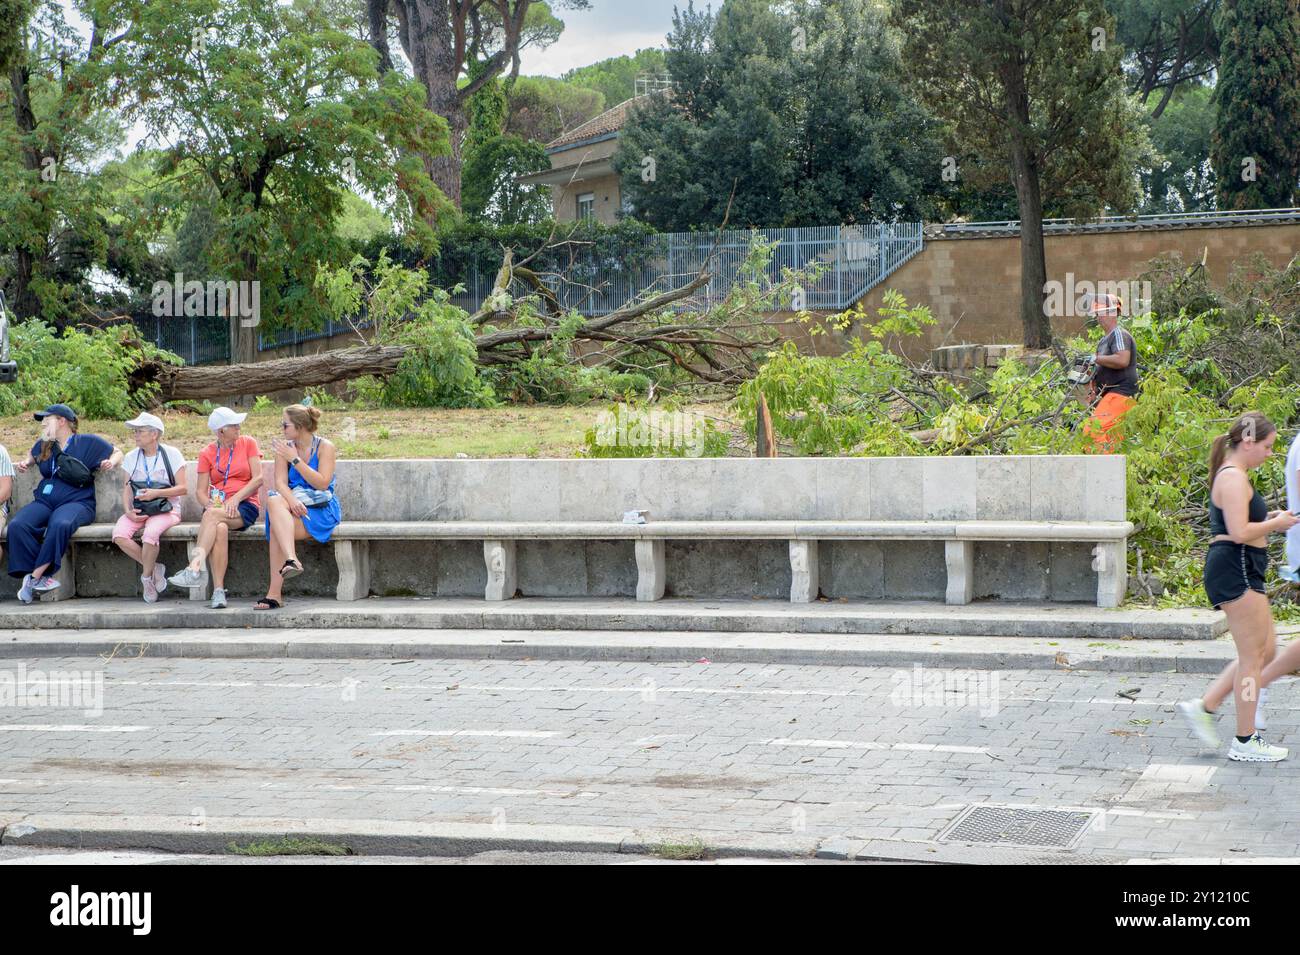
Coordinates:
(146, 420)
(224, 417)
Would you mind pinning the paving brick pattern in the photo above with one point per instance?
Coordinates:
(847, 755)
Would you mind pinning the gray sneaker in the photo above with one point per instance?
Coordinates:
(218, 598)
(1199, 722)
(1255, 750)
(189, 578)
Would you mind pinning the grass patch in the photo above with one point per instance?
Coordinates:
(540, 431)
(289, 846)
(692, 849)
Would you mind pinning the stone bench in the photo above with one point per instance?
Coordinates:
(956, 529)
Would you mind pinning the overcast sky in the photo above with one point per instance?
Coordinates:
(609, 28)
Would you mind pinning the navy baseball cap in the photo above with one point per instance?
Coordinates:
(63, 411)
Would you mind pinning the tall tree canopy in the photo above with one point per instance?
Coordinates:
(268, 114)
(615, 78)
(1182, 179)
(1256, 151)
(455, 48)
(1168, 44)
(798, 107)
(51, 228)
(1034, 87)
(540, 108)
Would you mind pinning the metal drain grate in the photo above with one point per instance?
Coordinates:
(1019, 826)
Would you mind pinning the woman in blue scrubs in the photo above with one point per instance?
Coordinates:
(40, 532)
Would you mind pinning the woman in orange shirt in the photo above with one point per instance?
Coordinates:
(230, 474)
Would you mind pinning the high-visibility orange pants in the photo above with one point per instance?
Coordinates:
(1102, 425)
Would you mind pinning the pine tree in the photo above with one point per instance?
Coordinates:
(1256, 148)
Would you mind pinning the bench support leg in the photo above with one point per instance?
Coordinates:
(804, 585)
(960, 558)
(650, 570)
(1110, 561)
(67, 578)
(196, 593)
(499, 555)
(353, 558)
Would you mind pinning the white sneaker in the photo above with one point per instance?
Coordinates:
(1255, 750)
(218, 598)
(1261, 721)
(25, 592)
(189, 578)
(150, 589)
(46, 584)
(160, 577)
(1199, 722)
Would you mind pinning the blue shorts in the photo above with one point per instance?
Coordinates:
(249, 511)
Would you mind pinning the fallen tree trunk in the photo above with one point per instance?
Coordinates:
(200, 382)
(181, 382)
(709, 350)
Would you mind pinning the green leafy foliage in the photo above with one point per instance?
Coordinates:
(1256, 162)
(832, 405)
(273, 114)
(615, 78)
(87, 369)
(629, 430)
(439, 368)
(1205, 357)
(788, 114)
(540, 108)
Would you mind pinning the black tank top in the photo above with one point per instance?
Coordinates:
(1258, 509)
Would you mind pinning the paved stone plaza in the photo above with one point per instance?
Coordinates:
(440, 756)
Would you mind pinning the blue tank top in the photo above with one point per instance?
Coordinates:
(1258, 510)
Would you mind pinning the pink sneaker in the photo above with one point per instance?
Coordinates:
(150, 590)
(159, 577)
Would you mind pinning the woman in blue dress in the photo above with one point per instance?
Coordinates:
(302, 504)
(65, 498)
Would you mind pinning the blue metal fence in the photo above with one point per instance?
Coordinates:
(849, 262)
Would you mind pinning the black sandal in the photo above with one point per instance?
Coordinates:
(291, 568)
(268, 603)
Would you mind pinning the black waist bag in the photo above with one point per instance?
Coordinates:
(159, 505)
(73, 470)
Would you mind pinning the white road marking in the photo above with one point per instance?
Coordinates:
(461, 790)
(1161, 781)
(1271, 860)
(68, 728)
(856, 744)
(511, 734)
(647, 740)
(90, 858)
(649, 690)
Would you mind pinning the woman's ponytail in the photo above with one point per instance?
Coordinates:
(1218, 451)
(1253, 425)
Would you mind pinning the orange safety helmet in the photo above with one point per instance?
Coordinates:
(1105, 303)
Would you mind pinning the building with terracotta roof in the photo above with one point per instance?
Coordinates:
(583, 182)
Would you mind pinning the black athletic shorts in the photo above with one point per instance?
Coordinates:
(1232, 569)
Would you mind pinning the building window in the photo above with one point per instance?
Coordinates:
(586, 206)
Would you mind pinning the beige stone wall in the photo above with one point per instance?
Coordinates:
(606, 188)
(608, 199)
(973, 285)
